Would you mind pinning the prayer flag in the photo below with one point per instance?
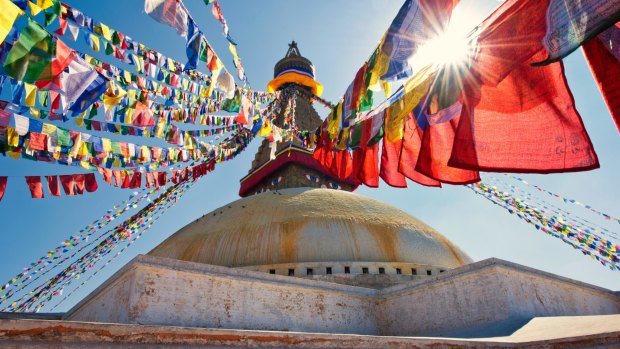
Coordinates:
(90, 182)
(31, 54)
(416, 22)
(79, 183)
(603, 56)
(68, 184)
(35, 186)
(169, 12)
(3, 181)
(52, 185)
(9, 12)
(569, 24)
(518, 118)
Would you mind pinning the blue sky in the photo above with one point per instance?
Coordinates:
(337, 36)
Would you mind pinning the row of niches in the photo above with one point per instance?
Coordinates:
(353, 268)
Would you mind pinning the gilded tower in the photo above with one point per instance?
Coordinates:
(291, 165)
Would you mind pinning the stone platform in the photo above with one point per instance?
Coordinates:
(484, 299)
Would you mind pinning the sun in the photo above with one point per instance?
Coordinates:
(453, 46)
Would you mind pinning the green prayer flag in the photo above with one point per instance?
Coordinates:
(116, 148)
(64, 139)
(50, 16)
(109, 49)
(88, 124)
(366, 101)
(356, 135)
(93, 112)
(232, 105)
(44, 97)
(32, 53)
(116, 40)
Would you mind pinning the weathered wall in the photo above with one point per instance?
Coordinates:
(484, 294)
(189, 294)
(159, 291)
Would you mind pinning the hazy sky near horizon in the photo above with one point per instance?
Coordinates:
(337, 36)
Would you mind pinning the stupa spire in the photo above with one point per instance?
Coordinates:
(293, 165)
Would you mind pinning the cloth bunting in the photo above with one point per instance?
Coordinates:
(603, 56)
(35, 186)
(518, 118)
(9, 12)
(3, 181)
(169, 12)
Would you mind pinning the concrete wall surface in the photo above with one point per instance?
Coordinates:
(488, 298)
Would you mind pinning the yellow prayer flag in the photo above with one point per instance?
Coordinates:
(31, 94)
(94, 42)
(44, 4)
(49, 129)
(415, 89)
(34, 8)
(79, 121)
(35, 112)
(8, 14)
(335, 121)
(12, 137)
(106, 144)
(105, 32)
(265, 129)
(233, 50)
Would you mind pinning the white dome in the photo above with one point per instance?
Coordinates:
(305, 225)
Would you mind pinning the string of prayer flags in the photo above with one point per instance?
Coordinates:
(565, 199)
(567, 230)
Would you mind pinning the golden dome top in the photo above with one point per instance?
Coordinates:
(303, 225)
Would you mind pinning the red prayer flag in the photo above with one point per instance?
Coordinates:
(3, 181)
(389, 164)
(136, 180)
(161, 178)
(68, 184)
(52, 185)
(90, 182)
(142, 115)
(527, 123)
(107, 174)
(117, 178)
(38, 141)
(410, 151)
(149, 182)
(436, 148)
(126, 179)
(366, 165)
(79, 183)
(517, 118)
(604, 61)
(35, 186)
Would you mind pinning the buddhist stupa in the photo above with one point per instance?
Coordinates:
(302, 261)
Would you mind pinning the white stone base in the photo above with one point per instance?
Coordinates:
(492, 295)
